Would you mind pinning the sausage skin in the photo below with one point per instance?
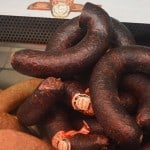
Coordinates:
(13, 96)
(78, 58)
(128, 101)
(139, 85)
(56, 121)
(70, 33)
(38, 104)
(120, 36)
(76, 97)
(89, 142)
(66, 35)
(114, 119)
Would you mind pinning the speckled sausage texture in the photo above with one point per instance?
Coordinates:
(38, 104)
(58, 121)
(139, 85)
(66, 35)
(115, 121)
(120, 36)
(75, 93)
(71, 88)
(89, 142)
(128, 101)
(16, 140)
(95, 127)
(55, 122)
(77, 58)
(70, 33)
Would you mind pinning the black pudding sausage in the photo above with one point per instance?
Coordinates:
(139, 86)
(115, 121)
(78, 58)
(41, 101)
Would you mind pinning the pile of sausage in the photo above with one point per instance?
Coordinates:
(93, 91)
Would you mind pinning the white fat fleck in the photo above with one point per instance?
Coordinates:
(60, 10)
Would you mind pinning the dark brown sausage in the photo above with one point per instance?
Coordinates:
(78, 58)
(89, 142)
(94, 126)
(73, 87)
(66, 35)
(69, 34)
(38, 104)
(114, 119)
(128, 101)
(78, 97)
(58, 128)
(120, 36)
(139, 85)
(56, 121)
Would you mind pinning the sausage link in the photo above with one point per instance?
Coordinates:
(120, 36)
(95, 127)
(56, 121)
(66, 35)
(128, 101)
(139, 85)
(78, 97)
(13, 96)
(89, 142)
(58, 128)
(70, 33)
(78, 58)
(114, 119)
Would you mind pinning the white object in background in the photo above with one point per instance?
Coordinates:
(136, 11)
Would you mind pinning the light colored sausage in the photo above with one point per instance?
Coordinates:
(8, 121)
(13, 96)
